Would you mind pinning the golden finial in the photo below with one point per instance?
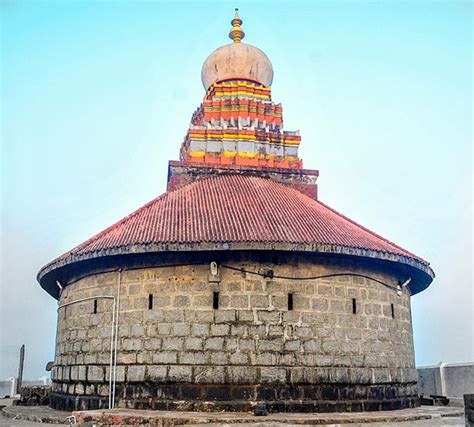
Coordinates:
(236, 33)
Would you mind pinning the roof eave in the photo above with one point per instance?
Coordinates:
(416, 286)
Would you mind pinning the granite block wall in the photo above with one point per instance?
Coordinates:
(345, 339)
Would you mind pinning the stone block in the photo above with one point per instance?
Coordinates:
(95, 374)
(338, 306)
(340, 375)
(134, 289)
(180, 373)
(181, 301)
(242, 374)
(66, 373)
(302, 302)
(291, 317)
(239, 358)
(268, 316)
(270, 345)
(312, 346)
(231, 344)
(136, 373)
(145, 357)
(165, 357)
(279, 302)
(325, 289)
(156, 373)
(132, 344)
(247, 344)
(137, 331)
(173, 315)
(239, 301)
(219, 357)
(209, 374)
(264, 359)
(204, 300)
(259, 301)
(103, 390)
(220, 330)
(205, 316)
(193, 343)
(180, 329)
(172, 343)
(246, 316)
(193, 358)
(225, 316)
(361, 375)
(161, 301)
(163, 329)
(286, 359)
(119, 373)
(319, 304)
(215, 343)
(152, 343)
(234, 286)
(126, 358)
(292, 345)
(74, 373)
(303, 332)
(200, 329)
(273, 375)
(354, 334)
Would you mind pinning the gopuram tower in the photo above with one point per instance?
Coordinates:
(237, 287)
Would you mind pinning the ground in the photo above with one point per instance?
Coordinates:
(450, 421)
(451, 417)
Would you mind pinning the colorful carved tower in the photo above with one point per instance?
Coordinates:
(238, 126)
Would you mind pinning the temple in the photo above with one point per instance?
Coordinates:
(237, 288)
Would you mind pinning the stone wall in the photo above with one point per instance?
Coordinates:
(252, 348)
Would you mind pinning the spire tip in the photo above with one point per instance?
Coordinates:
(236, 33)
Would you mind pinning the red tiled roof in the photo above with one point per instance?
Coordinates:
(235, 208)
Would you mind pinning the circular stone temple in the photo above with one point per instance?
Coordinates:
(237, 287)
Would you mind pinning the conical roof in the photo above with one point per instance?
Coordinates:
(237, 212)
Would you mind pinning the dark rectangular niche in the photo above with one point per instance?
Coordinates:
(215, 300)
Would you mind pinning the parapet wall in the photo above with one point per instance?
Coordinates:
(452, 380)
(345, 344)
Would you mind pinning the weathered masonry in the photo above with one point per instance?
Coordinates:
(237, 286)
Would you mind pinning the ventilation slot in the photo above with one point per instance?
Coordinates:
(354, 306)
(150, 301)
(290, 302)
(215, 300)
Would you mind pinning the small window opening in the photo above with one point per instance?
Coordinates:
(95, 306)
(354, 306)
(215, 300)
(393, 310)
(290, 302)
(150, 301)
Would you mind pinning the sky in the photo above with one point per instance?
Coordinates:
(96, 97)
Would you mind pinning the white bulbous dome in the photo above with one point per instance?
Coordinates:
(237, 61)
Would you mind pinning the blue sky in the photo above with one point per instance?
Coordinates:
(96, 97)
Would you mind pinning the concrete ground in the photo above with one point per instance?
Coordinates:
(449, 421)
(440, 416)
